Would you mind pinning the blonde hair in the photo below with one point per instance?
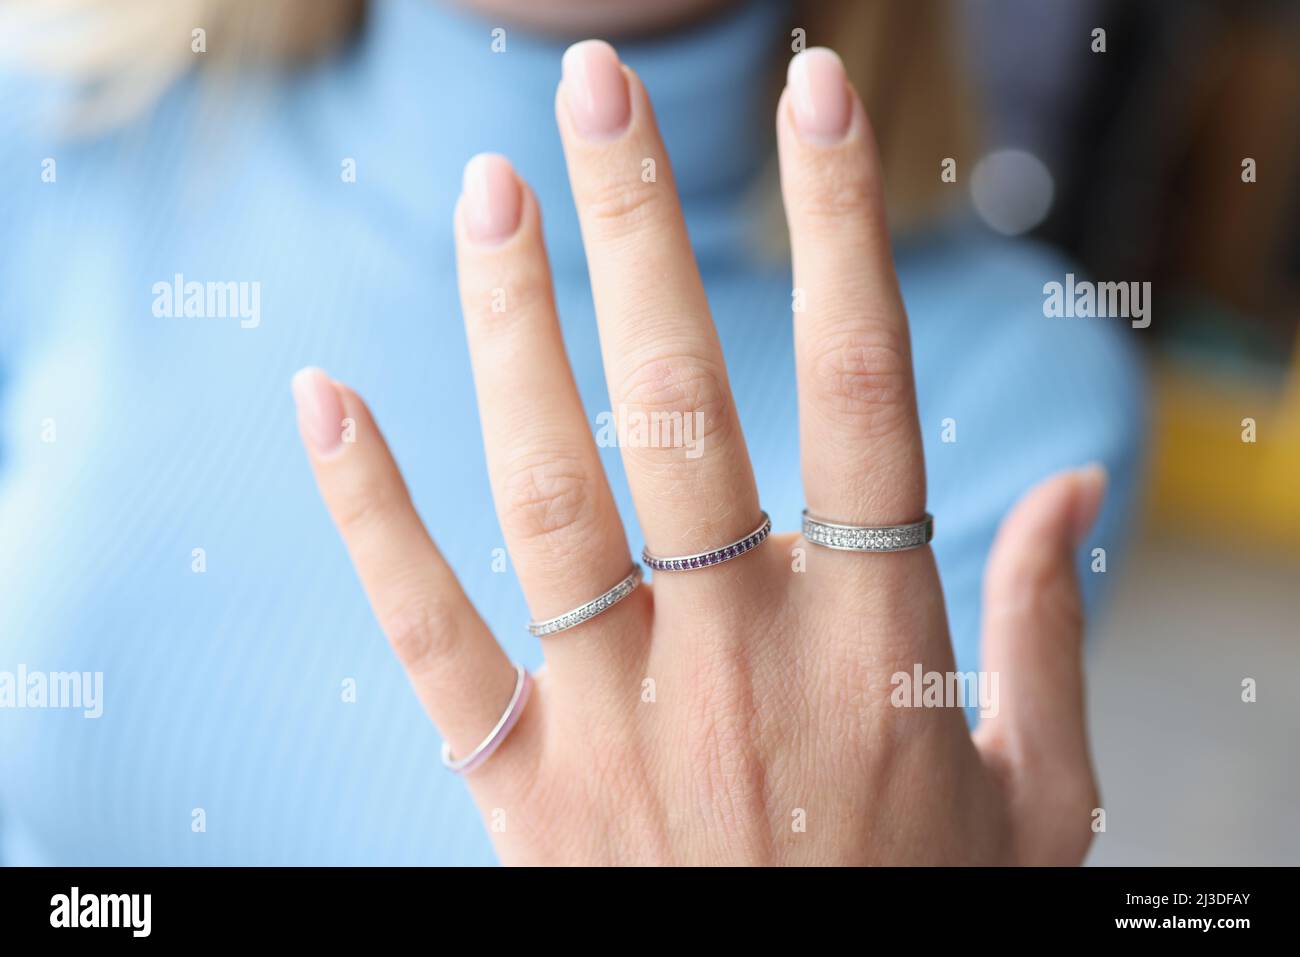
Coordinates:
(123, 54)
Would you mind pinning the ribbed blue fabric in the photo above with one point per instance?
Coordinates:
(223, 689)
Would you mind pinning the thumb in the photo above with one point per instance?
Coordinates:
(1035, 740)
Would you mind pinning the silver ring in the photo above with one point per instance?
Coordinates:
(571, 619)
(714, 557)
(499, 732)
(864, 538)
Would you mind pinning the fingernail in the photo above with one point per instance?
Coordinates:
(595, 89)
(1092, 480)
(320, 410)
(493, 200)
(819, 94)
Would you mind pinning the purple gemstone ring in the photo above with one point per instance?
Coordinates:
(715, 557)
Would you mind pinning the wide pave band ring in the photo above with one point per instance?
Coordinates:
(864, 538)
(591, 609)
(714, 557)
(500, 731)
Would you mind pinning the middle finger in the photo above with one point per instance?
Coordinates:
(682, 446)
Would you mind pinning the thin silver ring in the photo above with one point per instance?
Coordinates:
(715, 557)
(500, 731)
(571, 619)
(866, 538)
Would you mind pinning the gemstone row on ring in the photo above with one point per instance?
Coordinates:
(862, 539)
(591, 609)
(715, 557)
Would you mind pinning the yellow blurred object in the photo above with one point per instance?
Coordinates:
(1207, 478)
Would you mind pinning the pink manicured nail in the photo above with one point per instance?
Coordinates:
(320, 410)
(596, 89)
(819, 94)
(493, 199)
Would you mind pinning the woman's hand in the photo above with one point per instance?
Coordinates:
(744, 712)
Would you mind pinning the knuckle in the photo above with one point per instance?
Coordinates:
(423, 634)
(547, 496)
(1041, 589)
(676, 402)
(834, 190)
(520, 295)
(1056, 598)
(619, 207)
(371, 502)
(862, 381)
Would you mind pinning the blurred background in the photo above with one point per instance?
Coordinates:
(1174, 157)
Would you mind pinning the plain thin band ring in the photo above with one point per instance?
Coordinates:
(571, 619)
(523, 685)
(715, 557)
(865, 538)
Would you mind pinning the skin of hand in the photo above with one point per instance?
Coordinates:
(772, 683)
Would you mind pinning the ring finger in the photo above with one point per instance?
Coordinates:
(553, 500)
